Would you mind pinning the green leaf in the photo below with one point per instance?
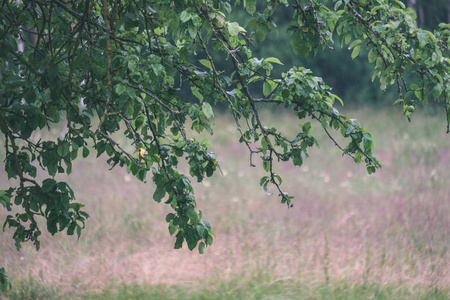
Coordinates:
(79, 231)
(141, 175)
(278, 177)
(414, 86)
(398, 101)
(71, 228)
(372, 56)
(358, 157)
(159, 193)
(263, 180)
(266, 165)
(179, 241)
(208, 111)
(170, 217)
(200, 230)
(261, 32)
(185, 16)
(266, 190)
(206, 63)
(18, 200)
(172, 229)
(273, 60)
(422, 38)
(250, 6)
(85, 152)
(437, 90)
(109, 149)
(349, 130)
(191, 242)
(48, 185)
(63, 149)
(355, 52)
(192, 215)
(323, 122)
(297, 159)
(196, 92)
(101, 147)
(300, 46)
(354, 44)
(208, 227)
(234, 28)
(368, 142)
(158, 69)
(264, 145)
(307, 128)
(209, 239)
(5, 198)
(119, 89)
(268, 87)
(201, 248)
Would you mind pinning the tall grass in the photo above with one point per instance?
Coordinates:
(348, 236)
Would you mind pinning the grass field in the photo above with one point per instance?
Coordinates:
(348, 236)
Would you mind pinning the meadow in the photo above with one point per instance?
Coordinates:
(350, 235)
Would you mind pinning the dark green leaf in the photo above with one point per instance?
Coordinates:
(172, 229)
(159, 193)
(48, 185)
(179, 241)
(300, 46)
(85, 152)
(63, 149)
(266, 165)
(201, 248)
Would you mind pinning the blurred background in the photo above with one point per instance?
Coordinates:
(348, 236)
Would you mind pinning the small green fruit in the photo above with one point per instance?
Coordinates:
(411, 108)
